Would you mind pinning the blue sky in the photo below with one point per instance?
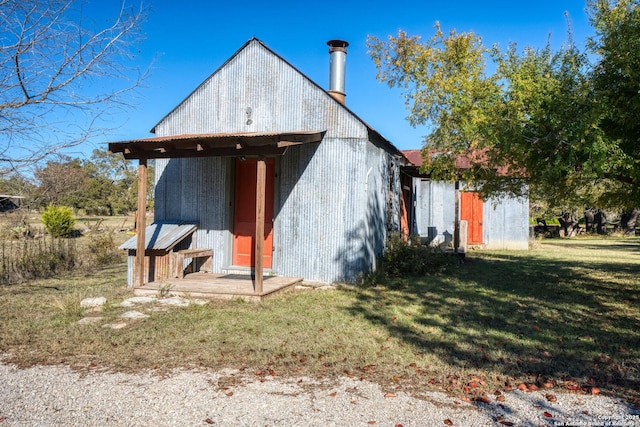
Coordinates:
(189, 40)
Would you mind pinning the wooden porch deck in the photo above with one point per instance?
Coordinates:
(219, 286)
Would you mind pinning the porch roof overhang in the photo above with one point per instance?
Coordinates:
(215, 144)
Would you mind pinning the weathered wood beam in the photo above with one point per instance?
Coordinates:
(141, 223)
(261, 179)
(266, 150)
(287, 143)
(213, 145)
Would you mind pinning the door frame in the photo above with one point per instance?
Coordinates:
(270, 165)
(472, 211)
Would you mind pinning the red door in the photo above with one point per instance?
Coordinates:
(471, 211)
(244, 217)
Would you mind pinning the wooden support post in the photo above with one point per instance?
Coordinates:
(261, 178)
(456, 225)
(141, 222)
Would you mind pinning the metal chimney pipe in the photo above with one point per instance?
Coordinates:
(338, 59)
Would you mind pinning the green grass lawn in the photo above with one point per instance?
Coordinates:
(564, 315)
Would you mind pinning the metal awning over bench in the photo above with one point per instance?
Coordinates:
(161, 238)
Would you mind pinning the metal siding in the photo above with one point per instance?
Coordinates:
(329, 211)
(131, 263)
(166, 191)
(506, 223)
(191, 186)
(505, 220)
(318, 221)
(212, 199)
(197, 190)
(421, 192)
(280, 98)
(376, 183)
(159, 196)
(437, 224)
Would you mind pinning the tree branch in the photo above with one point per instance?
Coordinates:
(50, 51)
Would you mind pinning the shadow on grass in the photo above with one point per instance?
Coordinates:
(628, 246)
(526, 318)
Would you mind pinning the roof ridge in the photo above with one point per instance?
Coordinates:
(389, 145)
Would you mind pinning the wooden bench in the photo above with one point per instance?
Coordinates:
(179, 257)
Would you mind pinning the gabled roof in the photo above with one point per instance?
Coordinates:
(374, 136)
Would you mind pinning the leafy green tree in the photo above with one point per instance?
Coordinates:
(103, 185)
(101, 198)
(112, 185)
(542, 116)
(616, 79)
(62, 182)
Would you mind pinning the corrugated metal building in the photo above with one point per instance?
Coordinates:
(495, 223)
(332, 202)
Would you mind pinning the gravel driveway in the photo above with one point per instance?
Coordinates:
(59, 396)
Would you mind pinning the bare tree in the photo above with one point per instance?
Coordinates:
(61, 76)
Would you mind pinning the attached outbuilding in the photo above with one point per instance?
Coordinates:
(278, 177)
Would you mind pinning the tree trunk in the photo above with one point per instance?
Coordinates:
(568, 225)
(629, 220)
(600, 219)
(589, 220)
